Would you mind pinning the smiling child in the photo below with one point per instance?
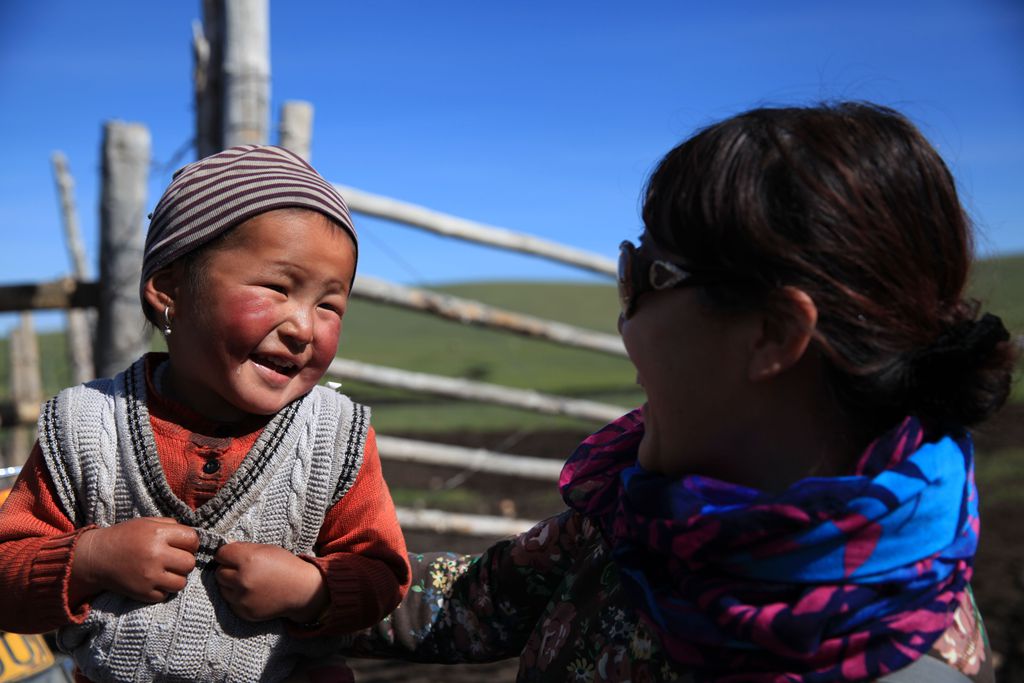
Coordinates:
(212, 514)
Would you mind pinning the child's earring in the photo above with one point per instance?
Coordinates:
(167, 321)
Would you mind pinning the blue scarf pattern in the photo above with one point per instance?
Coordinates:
(834, 579)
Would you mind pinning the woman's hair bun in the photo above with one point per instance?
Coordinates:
(961, 378)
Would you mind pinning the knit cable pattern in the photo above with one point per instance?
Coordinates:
(98, 445)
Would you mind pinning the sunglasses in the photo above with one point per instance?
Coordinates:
(639, 274)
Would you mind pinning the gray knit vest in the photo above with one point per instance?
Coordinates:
(99, 448)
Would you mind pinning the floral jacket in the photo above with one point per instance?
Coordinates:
(552, 597)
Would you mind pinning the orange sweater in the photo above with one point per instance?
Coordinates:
(360, 550)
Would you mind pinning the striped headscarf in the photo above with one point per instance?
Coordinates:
(212, 195)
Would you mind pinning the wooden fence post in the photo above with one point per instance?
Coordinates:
(121, 333)
(246, 72)
(208, 78)
(80, 322)
(26, 382)
(26, 388)
(295, 128)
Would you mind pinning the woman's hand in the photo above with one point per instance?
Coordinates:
(263, 582)
(145, 559)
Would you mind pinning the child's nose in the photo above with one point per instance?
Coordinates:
(298, 327)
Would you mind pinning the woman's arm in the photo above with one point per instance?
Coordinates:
(465, 609)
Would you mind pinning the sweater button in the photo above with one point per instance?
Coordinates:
(211, 466)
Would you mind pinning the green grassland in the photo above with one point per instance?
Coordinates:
(999, 285)
(385, 335)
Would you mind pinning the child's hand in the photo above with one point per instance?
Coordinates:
(145, 559)
(263, 582)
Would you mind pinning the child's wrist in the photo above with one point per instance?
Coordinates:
(315, 611)
(82, 581)
(318, 620)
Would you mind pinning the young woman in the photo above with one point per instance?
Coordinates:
(795, 501)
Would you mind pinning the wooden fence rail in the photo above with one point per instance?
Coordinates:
(61, 294)
(444, 522)
(469, 390)
(468, 459)
(475, 313)
(421, 217)
(18, 413)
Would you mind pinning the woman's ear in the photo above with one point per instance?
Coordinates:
(161, 289)
(787, 327)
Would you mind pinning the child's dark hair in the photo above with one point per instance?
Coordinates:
(849, 203)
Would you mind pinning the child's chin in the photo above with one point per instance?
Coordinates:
(268, 405)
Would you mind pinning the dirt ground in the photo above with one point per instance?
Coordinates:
(999, 569)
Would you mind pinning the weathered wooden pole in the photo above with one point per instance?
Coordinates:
(469, 390)
(295, 128)
(208, 78)
(26, 380)
(475, 313)
(445, 522)
(246, 72)
(471, 231)
(26, 388)
(66, 193)
(471, 459)
(60, 294)
(80, 322)
(121, 333)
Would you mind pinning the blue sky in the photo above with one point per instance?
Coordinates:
(544, 117)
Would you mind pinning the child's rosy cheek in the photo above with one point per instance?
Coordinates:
(328, 336)
(251, 308)
(248, 315)
(328, 332)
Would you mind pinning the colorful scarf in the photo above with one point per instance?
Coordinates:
(834, 579)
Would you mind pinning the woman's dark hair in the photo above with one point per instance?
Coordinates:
(849, 203)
